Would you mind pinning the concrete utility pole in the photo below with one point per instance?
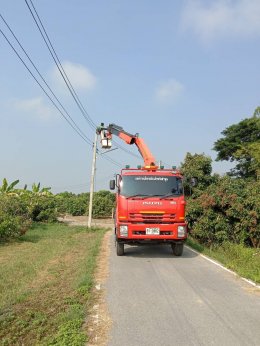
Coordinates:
(92, 181)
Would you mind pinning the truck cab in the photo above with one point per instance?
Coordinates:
(150, 208)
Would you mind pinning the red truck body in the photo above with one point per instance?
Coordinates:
(150, 217)
(150, 204)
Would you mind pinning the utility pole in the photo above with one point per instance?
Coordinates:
(92, 181)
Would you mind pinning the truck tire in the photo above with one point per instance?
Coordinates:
(120, 249)
(177, 249)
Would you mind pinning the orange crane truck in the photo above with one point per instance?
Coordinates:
(150, 204)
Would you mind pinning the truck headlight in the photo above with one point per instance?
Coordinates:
(181, 231)
(123, 231)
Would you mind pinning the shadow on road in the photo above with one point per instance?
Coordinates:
(156, 251)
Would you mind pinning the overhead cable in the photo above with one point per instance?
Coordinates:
(56, 59)
(65, 77)
(71, 122)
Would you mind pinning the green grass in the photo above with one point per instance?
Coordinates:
(46, 280)
(243, 260)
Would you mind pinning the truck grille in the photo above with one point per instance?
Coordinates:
(151, 218)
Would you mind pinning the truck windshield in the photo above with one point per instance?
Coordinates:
(150, 185)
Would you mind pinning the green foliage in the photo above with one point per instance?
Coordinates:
(70, 203)
(227, 210)
(40, 203)
(196, 166)
(14, 217)
(103, 203)
(69, 333)
(42, 208)
(241, 143)
(6, 188)
(251, 150)
(36, 189)
(76, 206)
(19, 207)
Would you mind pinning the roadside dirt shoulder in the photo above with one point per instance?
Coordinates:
(98, 321)
(83, 221)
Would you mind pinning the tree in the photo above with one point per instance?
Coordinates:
(8, 188)
(197, 166)
(241, 143)
(36, 189)
(227, 210)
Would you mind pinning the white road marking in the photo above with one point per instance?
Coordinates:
(221, 266)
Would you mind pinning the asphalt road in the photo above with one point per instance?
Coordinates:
(155, 299)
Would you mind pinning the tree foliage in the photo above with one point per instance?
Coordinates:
(197, 166)
(20, 207)
(8, 188)
(103, 203)
(227, 210)
(14, 217)
(241, 143)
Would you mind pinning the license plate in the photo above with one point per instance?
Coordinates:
(152, 231)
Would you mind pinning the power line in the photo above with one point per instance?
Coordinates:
(49, 88)
(71, 123)
(125, 150)
(66, 79)
(56, 59)
(110, 160)
(62, 71)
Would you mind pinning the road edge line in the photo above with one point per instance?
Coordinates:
(223, 267)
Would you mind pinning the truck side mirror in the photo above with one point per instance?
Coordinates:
(194, 182)
(112, 184)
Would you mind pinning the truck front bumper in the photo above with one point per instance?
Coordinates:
(159, 233)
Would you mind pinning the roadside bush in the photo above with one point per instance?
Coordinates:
(71, 203)
(43, 209)
(76, 205)
(103, 203)
(227, 210)
(14, 217)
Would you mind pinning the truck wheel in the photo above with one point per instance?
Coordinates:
(177, 249)
(120, 249)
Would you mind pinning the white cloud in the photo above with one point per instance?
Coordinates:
(79, 76)
(35, 107)
(169, 91)
(222, 18)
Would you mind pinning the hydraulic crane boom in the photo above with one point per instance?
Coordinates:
(113, 129)
(150, 204)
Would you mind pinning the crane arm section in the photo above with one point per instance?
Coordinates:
(129, 138)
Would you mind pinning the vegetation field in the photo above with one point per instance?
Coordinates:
(46, 278)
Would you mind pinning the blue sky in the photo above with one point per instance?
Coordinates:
(177, 72)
